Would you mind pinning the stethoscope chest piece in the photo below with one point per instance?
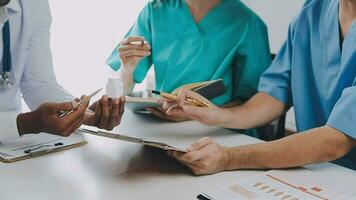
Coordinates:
(5, 80)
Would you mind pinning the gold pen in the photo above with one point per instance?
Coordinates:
(140, 42)
(175, 98)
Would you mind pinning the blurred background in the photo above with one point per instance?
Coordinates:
(84, 33)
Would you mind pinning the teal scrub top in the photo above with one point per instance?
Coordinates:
(316, 74)
(230, 42)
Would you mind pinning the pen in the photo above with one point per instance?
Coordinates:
(142, 42)
(175, 98)
(65, 113)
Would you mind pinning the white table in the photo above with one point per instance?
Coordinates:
(106, 169)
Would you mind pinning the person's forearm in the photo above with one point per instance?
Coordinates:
(317, 145)
(259, 110)
(26, 123)
(127, 80)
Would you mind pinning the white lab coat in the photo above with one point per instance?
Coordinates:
(32, 69)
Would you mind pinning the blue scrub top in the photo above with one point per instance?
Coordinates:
(315, 74)
(230, 42)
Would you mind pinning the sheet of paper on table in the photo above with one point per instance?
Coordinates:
(296, 184)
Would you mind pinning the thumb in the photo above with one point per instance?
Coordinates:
(86, 101)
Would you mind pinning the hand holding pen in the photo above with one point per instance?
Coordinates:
(76, 103)
(161, 112)
(193, 106)
(188, 100)
(132, 50)
(46, 119)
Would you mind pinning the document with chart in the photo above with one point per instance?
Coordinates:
(298, 184)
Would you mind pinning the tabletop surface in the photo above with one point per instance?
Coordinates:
(109, 169)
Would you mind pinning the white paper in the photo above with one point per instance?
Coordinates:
(14, 148)
(299, 184)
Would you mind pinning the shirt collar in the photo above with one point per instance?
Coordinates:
(14, 6)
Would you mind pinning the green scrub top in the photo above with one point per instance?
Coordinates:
(230, 42)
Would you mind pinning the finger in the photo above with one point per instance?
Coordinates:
(161, 110)
(79, 112)
(97, 115)
(193, 157)
(131, 39)
(55, 108)
(189, 157)
(168, 104)
(132, 53)
(114, 114)
(73, 127)
(93, 106)
(172, 108)
(122, 107)
(181, 96)
(78, 102)
(161, 101)
(158, 113)
(125, 48)
(176, 154)
(185, 93)
(77, 124)
(105, 113)
(85, 102)
(75, 104)
(201, 143)
(132, 58)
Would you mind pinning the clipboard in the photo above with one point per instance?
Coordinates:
(31, 146)
(135, 140)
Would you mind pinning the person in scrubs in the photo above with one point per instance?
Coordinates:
(191, 41)
(315, 71)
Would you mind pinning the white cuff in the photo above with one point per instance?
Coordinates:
(8, 124)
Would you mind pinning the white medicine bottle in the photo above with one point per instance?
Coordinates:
(114, 86)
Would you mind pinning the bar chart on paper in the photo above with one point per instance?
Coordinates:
(301, 184)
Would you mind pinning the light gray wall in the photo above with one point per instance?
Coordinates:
(277, 14)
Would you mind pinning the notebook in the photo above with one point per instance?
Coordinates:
(30, 146)
(296, 184)
(139, 101)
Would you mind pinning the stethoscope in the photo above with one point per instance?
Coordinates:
(5, 75)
